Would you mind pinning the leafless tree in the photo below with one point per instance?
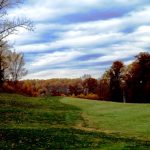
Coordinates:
(16, 68)
(8, 26)
(11, 64)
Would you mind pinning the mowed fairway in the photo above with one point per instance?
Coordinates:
(132, 120)
(69, 123)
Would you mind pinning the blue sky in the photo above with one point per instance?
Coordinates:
(76, 37)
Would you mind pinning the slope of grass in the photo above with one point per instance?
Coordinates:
(19, 111)
(53, 123)
(124, 119)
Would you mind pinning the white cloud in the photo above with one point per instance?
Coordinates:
(79, 33)
(54, 58)
(48, 9)
(63, 73)
(108, 37)
(51, 9)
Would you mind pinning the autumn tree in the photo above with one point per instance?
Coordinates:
(116, 93)
(103, 89)
(137, 78)
(90, 85)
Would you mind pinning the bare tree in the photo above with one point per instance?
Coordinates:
(11, 64)
(85, 76)
(16, 68)
(8, 26)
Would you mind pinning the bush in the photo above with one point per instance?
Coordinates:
(89, 96)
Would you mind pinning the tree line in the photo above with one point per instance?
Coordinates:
(120, 83)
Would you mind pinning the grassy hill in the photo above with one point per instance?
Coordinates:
(68, 123)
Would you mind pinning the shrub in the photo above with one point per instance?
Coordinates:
(89, 96)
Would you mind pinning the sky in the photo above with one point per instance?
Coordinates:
(77, 37)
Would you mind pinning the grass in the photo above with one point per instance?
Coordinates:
(68, 123)
(19, 111)
(124, 119)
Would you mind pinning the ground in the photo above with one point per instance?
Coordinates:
(70, 123)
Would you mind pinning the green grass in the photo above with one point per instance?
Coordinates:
(68, 123)
(124, 119)
(19, 111)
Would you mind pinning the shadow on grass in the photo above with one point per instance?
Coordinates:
(69, 138)
(35, 112)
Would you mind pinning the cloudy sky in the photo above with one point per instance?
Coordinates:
(76, 37)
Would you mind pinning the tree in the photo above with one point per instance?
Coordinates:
(103, 89)
(90, 85)
(116, 93)
(3, 60)
(137, 78)
(8, 27)
(86, 76)
(16, 68)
